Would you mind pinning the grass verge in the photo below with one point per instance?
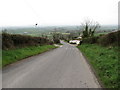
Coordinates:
(105, 62)
(60, 44)
(11, 56)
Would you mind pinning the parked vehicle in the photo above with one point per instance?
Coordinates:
(74, 41)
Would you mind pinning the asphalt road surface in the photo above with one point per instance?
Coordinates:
(64, 67)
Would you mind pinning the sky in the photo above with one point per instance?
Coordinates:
(57, 12)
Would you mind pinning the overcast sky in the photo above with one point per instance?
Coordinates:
(57, 12)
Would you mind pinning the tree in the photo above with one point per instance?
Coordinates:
(56, 36)
(4, 31)
(89, 28)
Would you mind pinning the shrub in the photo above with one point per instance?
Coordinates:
(7, 41)
(15, 40)
(110, 39)
(91, 40)
(56, 41)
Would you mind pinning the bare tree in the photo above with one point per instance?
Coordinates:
(4, 31)
(89, 28)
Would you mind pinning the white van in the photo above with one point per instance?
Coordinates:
(74, 42)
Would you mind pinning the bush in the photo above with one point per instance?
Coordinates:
(7, 41)
(110, 39)
(56, 41)
(91, 40)
(15, 40)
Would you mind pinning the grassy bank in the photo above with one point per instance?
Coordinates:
(10, 56)
(105, 62)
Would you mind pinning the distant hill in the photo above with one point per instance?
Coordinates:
(46, 29)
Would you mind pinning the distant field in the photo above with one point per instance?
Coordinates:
(10, 56)
(105, 61)
(37, 31)
(101, 33)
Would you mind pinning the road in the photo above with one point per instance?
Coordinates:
(64, 67)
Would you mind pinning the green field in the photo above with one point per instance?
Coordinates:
(105, 62)
(101, 33)
(10, 56)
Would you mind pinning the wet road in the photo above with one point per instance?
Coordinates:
(64, 67)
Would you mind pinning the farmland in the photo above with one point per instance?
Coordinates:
(45, 30)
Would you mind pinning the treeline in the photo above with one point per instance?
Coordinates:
(10, 41)
(111, 39)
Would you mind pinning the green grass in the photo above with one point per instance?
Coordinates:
(105, 62)
(60, 44)
(11, 56)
